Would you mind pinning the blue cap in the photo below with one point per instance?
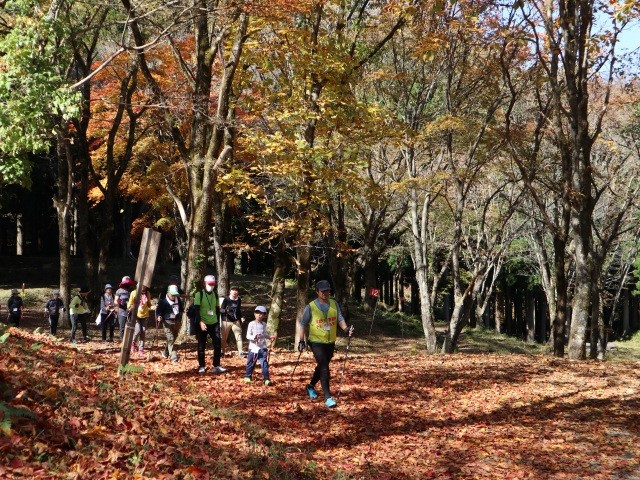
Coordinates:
(323, 285)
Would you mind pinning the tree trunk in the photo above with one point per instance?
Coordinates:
(426, 312)
(500, 309)
(220, 228)
(459, 318)
(530, 314)
(303, 261)
(63, 202)
(277, 289)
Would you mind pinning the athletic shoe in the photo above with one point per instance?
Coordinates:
(218, 369)
(202, 370)
(247, 379)
(268, 383)
(141, 352)
(165, 355)
(330, 402)
(73, 340)
(174, 359)
(311, 392)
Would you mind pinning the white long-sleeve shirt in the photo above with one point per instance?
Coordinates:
(257, 336)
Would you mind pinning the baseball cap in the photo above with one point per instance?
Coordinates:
(108, 285)
(323, 285)
(261, 309)
(210, 280)
(173, 290)
(56, 292)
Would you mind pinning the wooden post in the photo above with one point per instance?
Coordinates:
(144, 274)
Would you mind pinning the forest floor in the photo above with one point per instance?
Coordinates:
(65, 413)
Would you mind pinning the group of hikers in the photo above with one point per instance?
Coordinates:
(209, 317)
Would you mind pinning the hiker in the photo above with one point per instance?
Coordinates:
(168, 313)
(231, 310)
(258, 349)
(52, 308)
(321, 318)
(15, 306)
(122, 300)
(79, 312)
(209, 309)
(107, 312)
(141, 317)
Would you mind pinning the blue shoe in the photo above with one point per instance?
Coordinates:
(311, 392)
(330, 402)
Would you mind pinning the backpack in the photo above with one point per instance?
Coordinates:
(193, 314)
(123, 299)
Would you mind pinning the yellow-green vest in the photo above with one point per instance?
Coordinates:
(317, 327)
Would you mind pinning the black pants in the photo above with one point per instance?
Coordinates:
(212, 331)
(323, 353)
(83, 318)
(14, 320)
(53, 324)
(107, 320)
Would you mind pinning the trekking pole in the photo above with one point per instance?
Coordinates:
(344, 363)
(295, 366)
(373, 317)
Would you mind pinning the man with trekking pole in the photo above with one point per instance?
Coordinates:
(320, 319)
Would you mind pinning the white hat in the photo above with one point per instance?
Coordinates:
(261, 309)
(210, 280)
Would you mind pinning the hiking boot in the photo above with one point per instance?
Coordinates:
(202, 370)
(268, 383)
(218, 369)
(311, 392)
(247, 379)
(330, 402)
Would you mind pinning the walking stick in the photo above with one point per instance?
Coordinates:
(294, 367)
(344, 363)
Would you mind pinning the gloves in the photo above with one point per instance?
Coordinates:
(301, 345)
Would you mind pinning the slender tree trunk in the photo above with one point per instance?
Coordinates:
(500, 309)
(277, 289)
(63, 202)
(303, 260)
(220, 229)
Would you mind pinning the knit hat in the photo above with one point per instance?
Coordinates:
(210, 280)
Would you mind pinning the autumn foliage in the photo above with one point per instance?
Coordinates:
(400, 415)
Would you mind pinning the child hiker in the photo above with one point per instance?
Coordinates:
(52, 308)
(258, 350)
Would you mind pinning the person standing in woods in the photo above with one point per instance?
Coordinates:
(79, 312)
(15, 306)
(168, 314)
(107, 313)
(206, 301)
(231, 310)
(258, 348)
(52, 308)
(122, 300)
(321, 318)
(141, 316)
